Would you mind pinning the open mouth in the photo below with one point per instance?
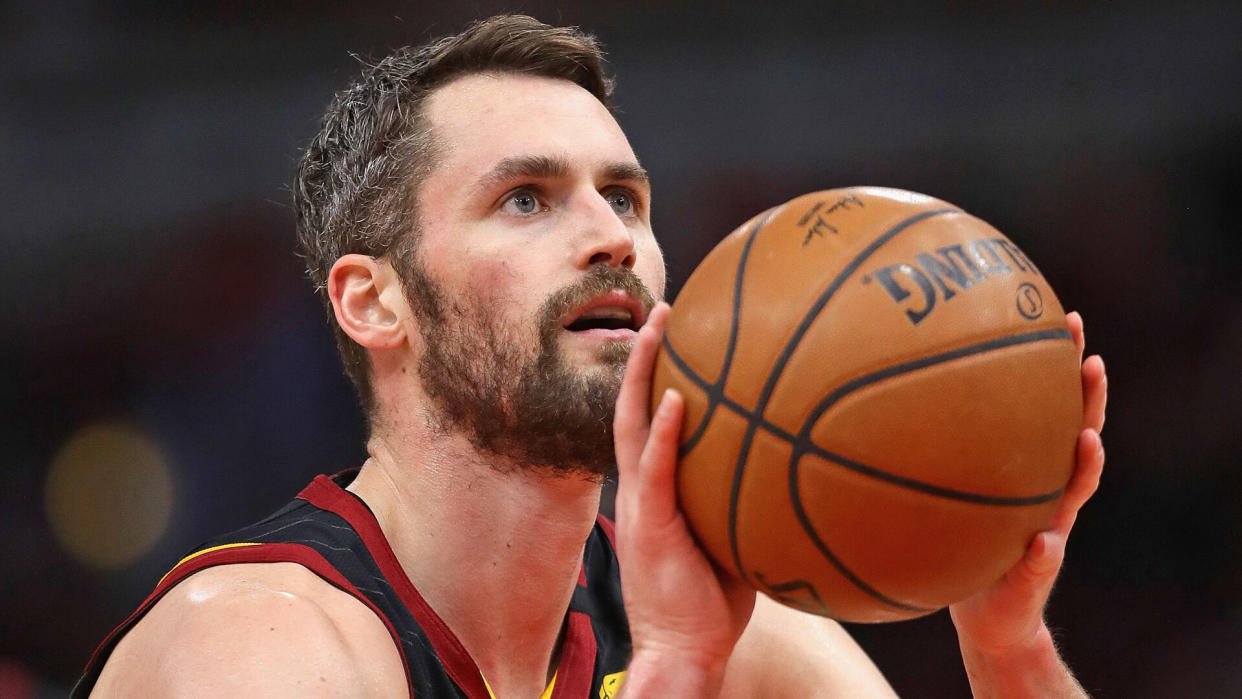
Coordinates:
(615, 310)
(604, 319)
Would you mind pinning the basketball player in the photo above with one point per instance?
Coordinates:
(479, 228)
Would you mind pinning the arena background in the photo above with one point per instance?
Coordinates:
(168, 374)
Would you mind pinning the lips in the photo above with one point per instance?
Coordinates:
(615, 310)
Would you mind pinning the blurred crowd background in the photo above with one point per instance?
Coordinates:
(168, 374)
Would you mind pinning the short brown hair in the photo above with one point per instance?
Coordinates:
(356, 185)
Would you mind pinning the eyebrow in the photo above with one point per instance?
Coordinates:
(545, 166)
(627, 171)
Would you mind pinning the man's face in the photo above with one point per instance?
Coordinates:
(535, 265)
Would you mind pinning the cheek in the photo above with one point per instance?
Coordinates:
(491, 276)
(503, 289)
(650, 268)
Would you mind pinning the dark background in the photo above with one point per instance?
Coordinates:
(148, 275)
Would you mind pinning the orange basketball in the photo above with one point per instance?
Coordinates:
(882, 403)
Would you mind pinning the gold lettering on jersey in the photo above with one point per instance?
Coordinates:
(611, 685)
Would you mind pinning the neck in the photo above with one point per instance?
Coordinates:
(495, 549)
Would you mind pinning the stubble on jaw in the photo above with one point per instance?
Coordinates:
(509, 398)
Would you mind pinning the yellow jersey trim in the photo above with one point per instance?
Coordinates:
(547, 692)
(199, 553)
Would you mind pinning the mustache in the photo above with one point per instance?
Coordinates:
(600, 279)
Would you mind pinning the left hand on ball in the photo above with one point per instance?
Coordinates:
(1009, 614)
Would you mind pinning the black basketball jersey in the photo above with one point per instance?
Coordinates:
(332, 532)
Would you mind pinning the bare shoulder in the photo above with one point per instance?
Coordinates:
(785, 653)
(255, 629)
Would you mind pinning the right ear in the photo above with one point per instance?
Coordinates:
(367, 301)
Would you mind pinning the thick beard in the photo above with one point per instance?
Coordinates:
(537, 410)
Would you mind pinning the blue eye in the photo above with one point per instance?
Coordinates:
(523, 203)
(621, 202)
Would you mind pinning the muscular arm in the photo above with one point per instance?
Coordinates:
(787, 653)
(269, 629)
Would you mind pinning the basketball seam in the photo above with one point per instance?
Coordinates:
(783, 360)
(715, 390)
(800, 441)
(804, 443)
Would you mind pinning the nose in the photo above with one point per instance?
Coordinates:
(604, 237)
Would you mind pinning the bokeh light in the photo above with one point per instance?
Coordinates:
(109, 495)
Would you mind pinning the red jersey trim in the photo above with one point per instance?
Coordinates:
(254, 553)
(577, 667)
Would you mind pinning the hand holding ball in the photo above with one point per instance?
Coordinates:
(882, 402)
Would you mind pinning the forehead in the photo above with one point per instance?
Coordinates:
(479, 119)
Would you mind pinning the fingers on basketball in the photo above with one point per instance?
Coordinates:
(1094, 392)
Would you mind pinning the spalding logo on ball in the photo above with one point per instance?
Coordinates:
(882, 403)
